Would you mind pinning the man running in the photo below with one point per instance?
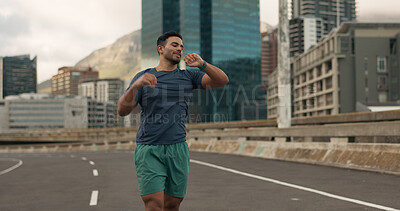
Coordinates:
(163, 92)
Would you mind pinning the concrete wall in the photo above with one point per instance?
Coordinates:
(373, 157)
(240, 138)
(383, 158)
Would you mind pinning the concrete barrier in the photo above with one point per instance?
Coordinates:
(239, 138)
(372, 157)
(383, 158)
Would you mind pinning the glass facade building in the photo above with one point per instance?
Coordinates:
(158, 16)
(226, 33)
(18, 75)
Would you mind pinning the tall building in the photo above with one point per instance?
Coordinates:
(332, 12)
(158, 16)
(269, 53)
(304, 32)
(312, 19)
(224, 33)
(68, 78)
(18, 75)
(105, 91)
(357, 64)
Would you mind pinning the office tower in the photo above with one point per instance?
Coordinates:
(226, 34)
(312, 19)
(18, 75)
(269, 53)
(332, 12)
(158, 16)
(356, 65)
(68, 78)
(304, 32)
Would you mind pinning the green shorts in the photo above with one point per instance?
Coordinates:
(162, 168)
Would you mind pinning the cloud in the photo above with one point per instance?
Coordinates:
(62, 32)
(13, 25)
(379, 17)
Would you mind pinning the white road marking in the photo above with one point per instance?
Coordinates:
(93, 198)
(72, 156)
(84, 158)
(12, 167)
(95, 172)
(368, 204)
(91, 163)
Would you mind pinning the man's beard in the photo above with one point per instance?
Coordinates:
(173, 60)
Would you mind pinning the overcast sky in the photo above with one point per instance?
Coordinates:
(61, 32)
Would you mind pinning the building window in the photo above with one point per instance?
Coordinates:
(328, 83)
(328, 66)
(329, 99)
(329, 111)
(365, 63)
(319, 86)
(382, 82)
(381, 62)
(382, 97)
(319, 71)
(320, 101)
(393, 44)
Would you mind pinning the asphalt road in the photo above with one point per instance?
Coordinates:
(106, 181)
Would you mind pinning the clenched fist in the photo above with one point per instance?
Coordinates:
(193, 60)
(146, 78)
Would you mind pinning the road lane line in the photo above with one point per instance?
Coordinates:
(12, 167)
(91, 163)
(296, 186)
(93, 198)
(95, 173)
(84, 158)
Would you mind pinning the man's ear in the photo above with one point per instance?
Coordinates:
(160, 49)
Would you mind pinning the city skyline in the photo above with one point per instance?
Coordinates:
(45, 29)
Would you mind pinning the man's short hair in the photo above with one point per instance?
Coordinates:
(161, 39)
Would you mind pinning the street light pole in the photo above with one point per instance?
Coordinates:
(284, 89)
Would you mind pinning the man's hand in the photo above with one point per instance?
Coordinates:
(193, 60)
(127, 103)
(146, 78)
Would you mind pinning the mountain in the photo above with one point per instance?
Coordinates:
(121, 59)
(44, 87)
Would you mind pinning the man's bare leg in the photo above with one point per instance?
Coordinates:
(154, 201)
(171, 203)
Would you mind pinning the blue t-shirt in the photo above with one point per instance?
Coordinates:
(165, 107)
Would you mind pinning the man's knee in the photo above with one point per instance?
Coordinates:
(153, 206)
(172, 203)
(153, 202)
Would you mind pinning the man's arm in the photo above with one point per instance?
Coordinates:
(127, 102)
(214, 76)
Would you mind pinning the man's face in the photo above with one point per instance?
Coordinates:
(172, 50)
